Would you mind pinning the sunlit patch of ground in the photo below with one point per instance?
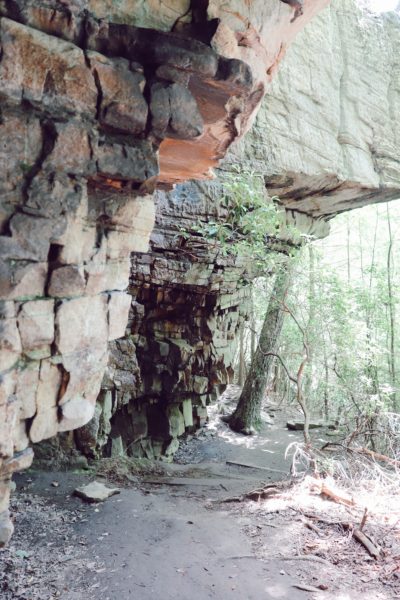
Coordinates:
(314, 535)
(225, 406)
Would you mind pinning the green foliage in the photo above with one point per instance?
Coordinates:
(346, 320)
(251, 221)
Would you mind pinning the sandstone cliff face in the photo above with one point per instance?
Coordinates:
(101, 105)
(189, 301)
(95, 115)
(327, 137)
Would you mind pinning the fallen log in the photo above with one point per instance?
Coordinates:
(357, 534)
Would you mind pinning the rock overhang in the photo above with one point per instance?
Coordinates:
(86, 137)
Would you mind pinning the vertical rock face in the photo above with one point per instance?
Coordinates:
(188, 305)
(325, 139)
(94, 114)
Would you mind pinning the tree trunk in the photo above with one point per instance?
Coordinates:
(308, 387)
(326, 387)
(241, 357)
(371, 369)
(246, 417)
(392, 320)
(348, 250)
(253, 336)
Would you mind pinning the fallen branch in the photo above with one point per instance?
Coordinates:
(377, 456)
(310, 557)
(306, 588)
(365, 541)
(250, 466)
(363, 520)
(326, 491)
(358, 535)
(260, 493)
(313, 527)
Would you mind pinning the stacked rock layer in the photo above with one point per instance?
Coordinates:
(95, 115)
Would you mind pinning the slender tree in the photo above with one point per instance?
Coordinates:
(392, 320)
(246, 417)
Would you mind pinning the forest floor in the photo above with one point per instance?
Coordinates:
(171, 534)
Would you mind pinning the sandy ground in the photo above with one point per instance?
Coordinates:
(168, 535)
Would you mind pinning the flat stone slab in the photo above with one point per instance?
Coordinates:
(95, 492)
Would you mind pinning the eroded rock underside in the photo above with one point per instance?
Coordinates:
(104, 108)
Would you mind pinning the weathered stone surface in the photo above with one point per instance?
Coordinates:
(344, 139)
(67, 282)
(95, 492)
(10, 343)
(187, 410)
(182, 119)
(136, 162)
(6, 527)
(176, 422)
(79, 409)
(29, 239)
(86, 437)
(22, 279)
(45, 422)
(26, 389)
(21, 142)
(123, 107)
(187, 311)
(44, 71)
(18, 462)
(5, 489)
(20, 437)
(8, 415)
(131, 224)
(36, 327)
(119, 304)
(81, 323)
(72, 150)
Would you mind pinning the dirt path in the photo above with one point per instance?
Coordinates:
(160, 541)
(168, 535)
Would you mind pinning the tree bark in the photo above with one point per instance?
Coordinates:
(392, 319)
(241, 358)
(253, 337)
(309, 383)
(246, 417)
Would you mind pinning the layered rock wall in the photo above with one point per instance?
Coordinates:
(103, 103)
(325, 140)
(189, 301)
(94, 115)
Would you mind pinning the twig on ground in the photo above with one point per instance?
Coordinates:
(327, 492)
(363, 520)
(313, 528)
(365, 541)
(310, 557)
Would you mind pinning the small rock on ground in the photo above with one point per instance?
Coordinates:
(95, 492)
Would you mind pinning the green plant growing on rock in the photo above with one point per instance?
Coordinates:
(251, 220)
